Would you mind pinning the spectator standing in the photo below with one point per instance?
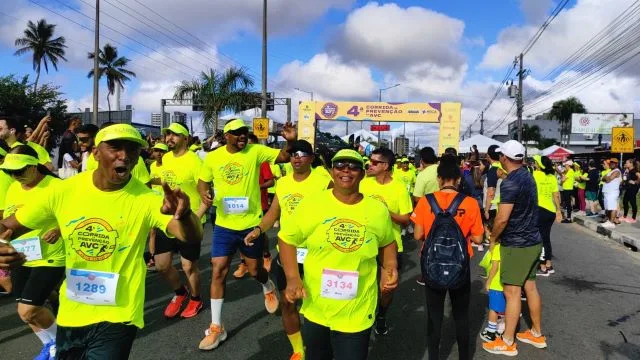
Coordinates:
(567, 179)
(580, 184)
(68, 139)
(631, 183)
(592, 187)
(611, 192)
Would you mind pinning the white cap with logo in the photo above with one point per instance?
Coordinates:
(512, 149)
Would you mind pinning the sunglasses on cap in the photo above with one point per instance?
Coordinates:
(299, 154)
(341, 165)
(239, 132)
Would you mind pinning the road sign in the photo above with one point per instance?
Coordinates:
(261, 127)
(380, 127)
(622, 140)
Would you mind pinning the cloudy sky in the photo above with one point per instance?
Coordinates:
(438, 50)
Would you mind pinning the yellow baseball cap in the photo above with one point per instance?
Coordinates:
(176, 129)
(348, 154)
(120, 132)
(161, 146)
(234, 124)
(195, 147)
(538, 160)
(18, 161)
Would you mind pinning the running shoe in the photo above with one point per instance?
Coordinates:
(241, 271)
(527, 337)
(381, 327)
(420, 280)
(45, 353)
(542, 272)
(297, 356)
(271, 301)
(214, 335)
(499, 347)
(192, 309)
(608, 225)
(175, 305)
(266, 263)
(488, 336)
(550, 270)
(631, 220)
(566, 221)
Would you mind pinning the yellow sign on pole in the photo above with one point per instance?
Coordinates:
(622, 140)
(261, 128)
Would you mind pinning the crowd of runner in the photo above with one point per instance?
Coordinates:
(74, 241)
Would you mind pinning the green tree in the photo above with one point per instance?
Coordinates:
(530, 133)
(38, 39)
(114, 68)
(562, 111)
(217, 92)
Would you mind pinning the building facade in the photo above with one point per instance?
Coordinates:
(401, 145)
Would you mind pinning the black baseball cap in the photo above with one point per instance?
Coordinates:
(301, 145)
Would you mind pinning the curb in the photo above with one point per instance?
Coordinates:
(617, 236)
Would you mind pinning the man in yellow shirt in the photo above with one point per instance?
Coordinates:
(405, 175)
(11, 128)
(568, 177)
(180, 169)
(382, 185)
(104, 217)
(233, 171)
(344, 232)
(290, 191)
(427, 179)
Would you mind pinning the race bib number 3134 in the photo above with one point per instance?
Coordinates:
(339, 285)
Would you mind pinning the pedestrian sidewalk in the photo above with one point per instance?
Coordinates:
(624, 234)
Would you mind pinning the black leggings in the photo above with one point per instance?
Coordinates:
(566, 202)
(435, 312)
(322, 343)
(545, 221)
(630, 198)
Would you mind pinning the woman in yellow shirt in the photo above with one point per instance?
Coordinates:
(548, 208)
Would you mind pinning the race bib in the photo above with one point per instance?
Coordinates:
(301, 254)
(339, 285)
(29, 247)
(235, 205)
(92, 287)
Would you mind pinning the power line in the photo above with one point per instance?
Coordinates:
(544, 27)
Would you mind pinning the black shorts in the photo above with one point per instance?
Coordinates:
(97, 341)
(279, 275)
(165, 244)
(33, 285)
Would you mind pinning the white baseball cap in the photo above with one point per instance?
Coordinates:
(512, 149)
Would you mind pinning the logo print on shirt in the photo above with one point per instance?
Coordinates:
(170, 178)
(379, 198)
(346, 235)
(232, 173)
(93, 240)
(292, 201)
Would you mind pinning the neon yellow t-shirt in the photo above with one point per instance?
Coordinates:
(139, 171)
(394, 196)
(603, 173)
(43, 154)
(344, 238)
(408, 178)
(277, 174)
(567, 184)
(496, 282)
(426, 181)
(235, 178)
(582, 184)
(155, 172)
(17, 197)
(291, 192)
(547, 185)
(183, 172)
(102, 231)
(5, 182)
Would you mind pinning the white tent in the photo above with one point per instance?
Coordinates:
(481, 141)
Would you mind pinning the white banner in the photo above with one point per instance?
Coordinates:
(599, 123)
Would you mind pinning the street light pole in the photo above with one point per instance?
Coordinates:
(380, 100)
(304, 91)
(96, 69)
(264, 59)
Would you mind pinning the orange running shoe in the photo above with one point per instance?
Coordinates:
(214, 335)
(297, 356)
(266, 263)
(192, 309)
(271, 301)
(241, 271)
(499, 347)
(175, 305)
(527, 337)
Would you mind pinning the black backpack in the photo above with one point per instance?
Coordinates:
(445, 259)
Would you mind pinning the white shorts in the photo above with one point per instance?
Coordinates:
(611, 200)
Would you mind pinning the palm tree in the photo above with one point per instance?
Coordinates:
(562, 111)
(530, 133)
(217, 92)
(114, 68)
(38, 39)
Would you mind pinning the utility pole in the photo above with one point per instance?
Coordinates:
(482, 123)
(520, 100)
(96, 69)
(380, 100)
(264, 59)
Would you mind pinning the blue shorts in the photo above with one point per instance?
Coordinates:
(226, 242)
(497, 301)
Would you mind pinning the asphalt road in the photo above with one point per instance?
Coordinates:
(591, 310)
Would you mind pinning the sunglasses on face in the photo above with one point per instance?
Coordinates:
(341, 165)
(239, 132)
(299, 154)
(376, 162)
(15, 173)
